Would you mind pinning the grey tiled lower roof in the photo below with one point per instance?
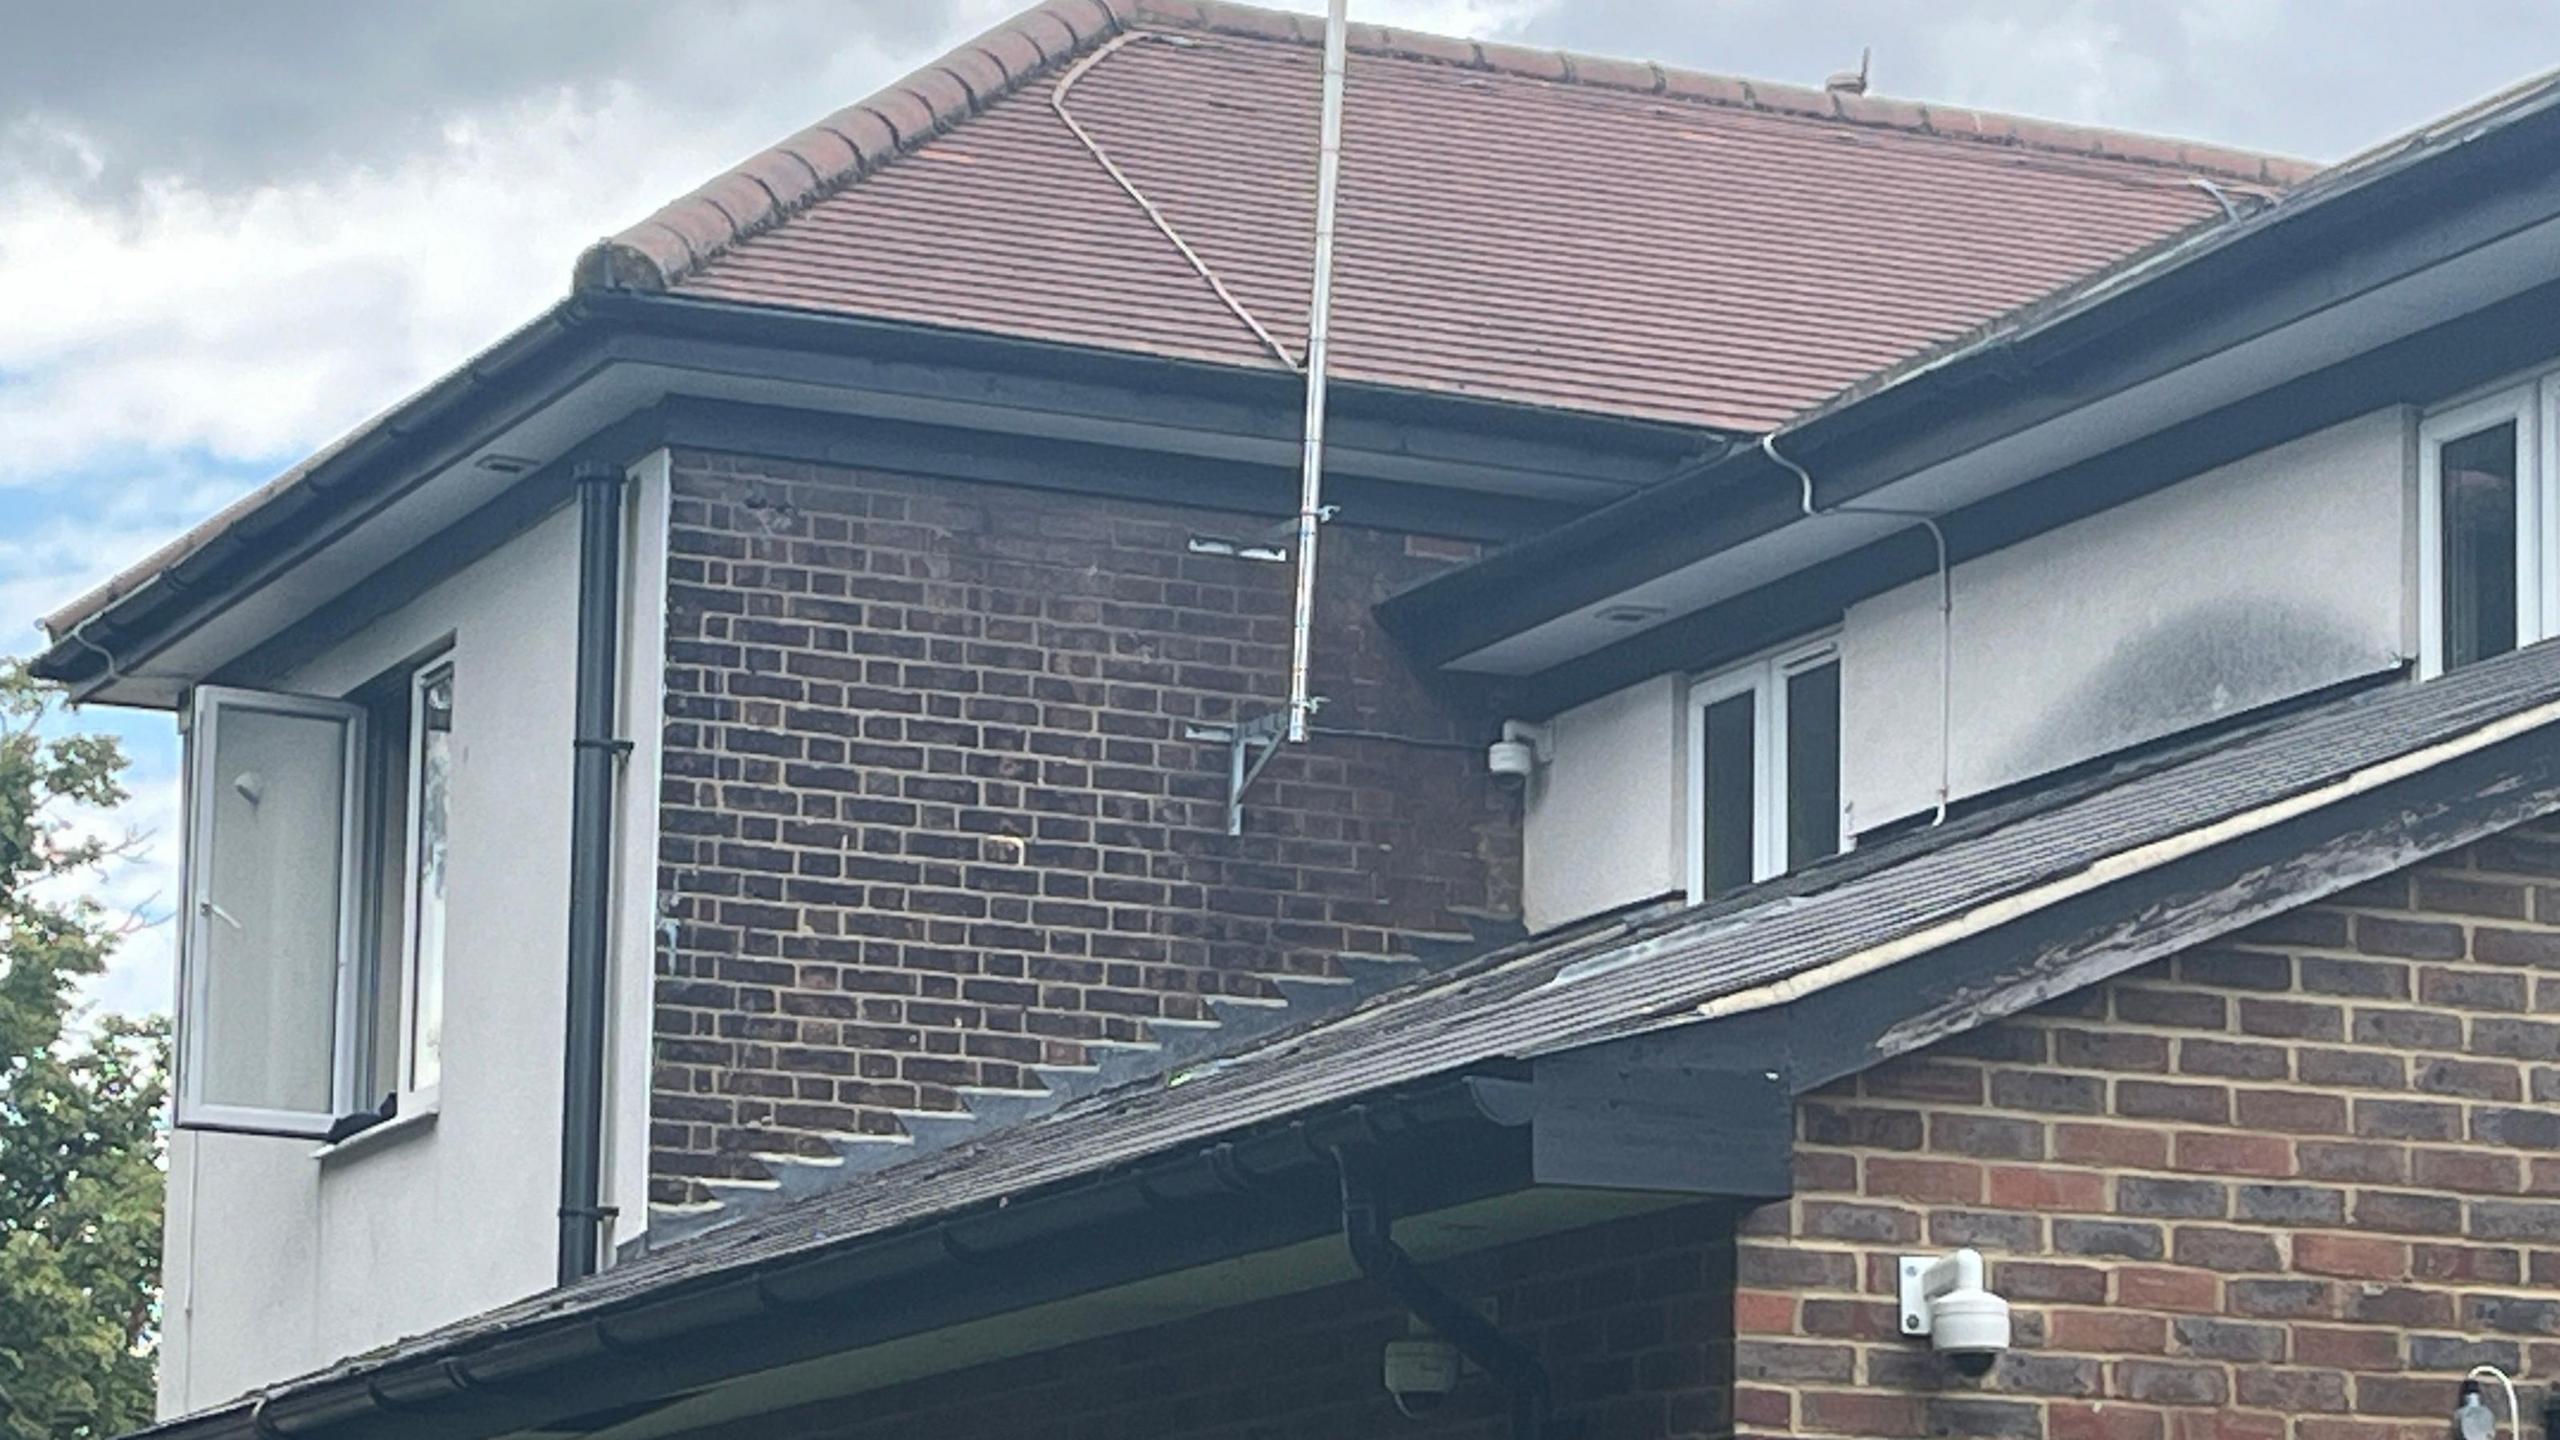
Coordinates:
(1646, 967)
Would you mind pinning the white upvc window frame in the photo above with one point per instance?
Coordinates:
(364, 891)
(413, 1095)
(1765, 679)
(2534, 409)
(191, 1110)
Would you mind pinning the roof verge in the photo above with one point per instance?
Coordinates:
(844, 147)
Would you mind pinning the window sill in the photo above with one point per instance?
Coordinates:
(407, 1124)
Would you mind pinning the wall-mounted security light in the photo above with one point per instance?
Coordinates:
(1421, 1371)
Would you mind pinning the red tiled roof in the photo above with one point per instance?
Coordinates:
(1594, 234)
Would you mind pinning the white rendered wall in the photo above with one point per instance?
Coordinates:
(281, 1260)
(1604, 815)
(2274, 576)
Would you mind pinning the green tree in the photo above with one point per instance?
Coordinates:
(80, 1138)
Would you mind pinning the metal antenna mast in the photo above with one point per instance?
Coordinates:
(1319, 315)
(1252, 741)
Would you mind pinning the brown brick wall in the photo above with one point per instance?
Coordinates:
(929, 816)
(1632, 1320)
(2291, 1188)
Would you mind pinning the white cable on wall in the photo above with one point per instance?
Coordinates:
(1946, 610)
(2515, 1412)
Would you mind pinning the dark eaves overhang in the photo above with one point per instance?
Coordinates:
(608, 375)
(574, 1363)
(2370, 285)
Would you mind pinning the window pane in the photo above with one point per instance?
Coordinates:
(268, 911)
(1813, 764)
(1727, 768)
(2479, 514)
(433, 744)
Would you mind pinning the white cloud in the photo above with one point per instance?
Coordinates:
(261, 323)
(77, 533)
(169, 317)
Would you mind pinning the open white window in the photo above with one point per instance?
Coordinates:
(1764, 767)
(2485, 561)
(266, 1015)
(312, 958)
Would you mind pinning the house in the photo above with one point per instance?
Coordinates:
(1915, 702)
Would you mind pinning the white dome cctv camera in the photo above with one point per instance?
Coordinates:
(1943, 1298)
(1521, 750)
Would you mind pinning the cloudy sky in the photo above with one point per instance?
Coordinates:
(228, 232)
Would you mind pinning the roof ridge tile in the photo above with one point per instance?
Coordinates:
(1640, 76)
(769, 186)
(766, 188)
(1413, 44)
(979, 76)
(1611, 72)
(1524, 61)
(1014, 54)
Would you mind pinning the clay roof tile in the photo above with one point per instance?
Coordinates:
(1568, 230)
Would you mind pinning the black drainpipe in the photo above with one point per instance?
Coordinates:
(1370, 1232)
(593, 753)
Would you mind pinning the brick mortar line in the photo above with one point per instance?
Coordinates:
(2344, 1090)
(2343, 1187)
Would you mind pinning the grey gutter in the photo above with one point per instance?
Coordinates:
(274, 527)
(219, 558)
(2192, 296)
(291, 491)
